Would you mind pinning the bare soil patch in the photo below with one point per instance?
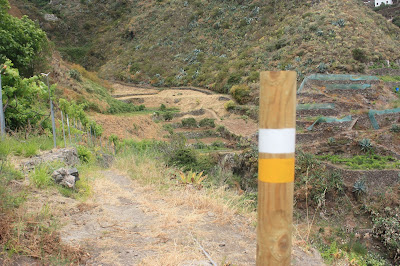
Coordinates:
(135, 126)
(129, 224)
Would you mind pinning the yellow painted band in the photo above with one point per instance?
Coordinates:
(276, 170)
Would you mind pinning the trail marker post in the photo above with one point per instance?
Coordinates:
(53, 122)
(276, 167)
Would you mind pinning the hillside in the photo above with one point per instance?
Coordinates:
(217, 44)
(181, 154)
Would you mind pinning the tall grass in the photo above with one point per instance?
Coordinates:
(25, 147)
(144, 162)
(40, 177)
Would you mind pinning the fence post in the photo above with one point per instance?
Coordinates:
(62, 122)
(76, 128)
(53, 122)
(276, 167)
(69, 130)
(2, 118)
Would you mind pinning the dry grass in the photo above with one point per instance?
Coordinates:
(92, 76)
(34, 235)
(225, 204)
(172, 255)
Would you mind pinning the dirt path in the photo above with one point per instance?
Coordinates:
(128, 224)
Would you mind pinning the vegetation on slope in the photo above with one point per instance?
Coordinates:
(218, 44)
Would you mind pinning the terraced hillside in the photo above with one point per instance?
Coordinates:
(349, 123)
(216, 44)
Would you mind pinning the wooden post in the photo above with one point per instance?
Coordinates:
(276, 167)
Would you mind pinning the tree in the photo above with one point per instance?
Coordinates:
(24, 99)
(21, 40)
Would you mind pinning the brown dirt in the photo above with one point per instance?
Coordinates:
(121, 89)
(240, 127)
(14, 10)
(129, 224)
(188, 100)
(135, 126)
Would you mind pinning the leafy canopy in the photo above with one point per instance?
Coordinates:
(24, 99)
(21, 40)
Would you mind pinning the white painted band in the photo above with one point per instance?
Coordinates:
(277, 141)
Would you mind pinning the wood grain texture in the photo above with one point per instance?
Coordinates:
(275, 200)
(274, 231)
(278, 99)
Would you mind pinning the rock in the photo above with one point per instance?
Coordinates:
(51, 17)
(66, 178)
(74, 172)
(222, 98)
(68, 181)
(69, 156)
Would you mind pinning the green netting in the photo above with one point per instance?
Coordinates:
(334, 77)
(342, 77)
(372, 113)
(315, 106)
(324, 119)
(348, 86)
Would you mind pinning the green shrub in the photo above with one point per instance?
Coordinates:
(234, 78)
(395, 128)
(84, 154)
(162, 107)
(75, 74)
(21, 42)
(359, 55)
(254, 76)
(364, 161)
(169, 128)
(168, 116)
(207, 122)
(314, 182)
(241, 93)
(396, 21)
(199, 145)
(229, 105)
(189, 122)
(116, 107)
(217, 144)
(184, 158)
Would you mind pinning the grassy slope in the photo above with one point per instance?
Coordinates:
(219, 43)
